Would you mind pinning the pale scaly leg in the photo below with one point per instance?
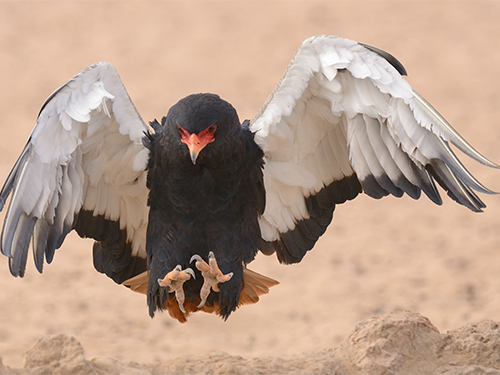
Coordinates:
(212, 275)
(174, 280)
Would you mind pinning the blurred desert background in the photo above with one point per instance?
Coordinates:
(377, 256)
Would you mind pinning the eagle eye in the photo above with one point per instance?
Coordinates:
(212, 128)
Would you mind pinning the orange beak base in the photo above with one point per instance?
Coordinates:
(195, 142)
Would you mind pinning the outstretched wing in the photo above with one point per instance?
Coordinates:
(343, 121)
(82, 168)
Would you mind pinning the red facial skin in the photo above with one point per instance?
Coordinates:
(196, 142)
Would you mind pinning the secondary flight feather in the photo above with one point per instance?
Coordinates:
(178, 208)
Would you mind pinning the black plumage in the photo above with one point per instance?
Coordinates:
(178, 209)
(212, 205)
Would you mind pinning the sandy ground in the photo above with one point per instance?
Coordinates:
(377, 257)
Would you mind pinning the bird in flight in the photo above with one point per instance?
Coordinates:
(179, 208)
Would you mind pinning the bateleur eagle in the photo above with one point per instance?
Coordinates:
(179, 208)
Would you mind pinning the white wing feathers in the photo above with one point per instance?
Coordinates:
(341, 121)
(83, 168)
(343, 115)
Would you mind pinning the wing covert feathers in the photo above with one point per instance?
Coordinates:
(82, 168)
(342, 121)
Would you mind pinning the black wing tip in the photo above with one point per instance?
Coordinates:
(293, 245)
(112, 251)
(388, 57)
(117, 262)
(455, 188)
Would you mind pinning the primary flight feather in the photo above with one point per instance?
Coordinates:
(179, 208)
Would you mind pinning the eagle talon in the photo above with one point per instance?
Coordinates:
(175, 280)
(212, 276)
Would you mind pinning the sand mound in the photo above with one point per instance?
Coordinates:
(402, 342)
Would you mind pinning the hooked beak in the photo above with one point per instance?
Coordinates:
(195, 146)
(195, 142)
